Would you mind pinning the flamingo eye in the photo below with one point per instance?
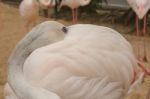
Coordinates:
(64, 29)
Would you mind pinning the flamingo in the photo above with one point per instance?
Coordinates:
(141, 7)
(76, 67)
(74, 4)
(29, 12)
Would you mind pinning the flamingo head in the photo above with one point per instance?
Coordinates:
(140, 7)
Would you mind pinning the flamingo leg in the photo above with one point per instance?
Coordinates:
(144, 43)
(144, 25)
(144, 69)
(76, 15)
(134, 78)
(137, 34)
(145, 52)
(73, 16)
(137, 26)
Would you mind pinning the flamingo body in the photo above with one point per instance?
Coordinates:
(74, 4)
(141, 7)
(91, 62)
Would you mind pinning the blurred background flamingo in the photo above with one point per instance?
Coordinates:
(140, 7)
(29, 11)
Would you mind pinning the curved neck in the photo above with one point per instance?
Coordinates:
(15, 73)
(16, 79)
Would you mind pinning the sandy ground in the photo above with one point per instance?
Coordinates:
(12, 30)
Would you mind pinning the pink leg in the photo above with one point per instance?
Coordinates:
(144, 25)
(73, 16)
(144, 34)
(76, 15)
(144, 69)
(137, 34)
(145, 52)
(134, 78)
(137, 26)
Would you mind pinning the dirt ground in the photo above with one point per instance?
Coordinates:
(12, 30)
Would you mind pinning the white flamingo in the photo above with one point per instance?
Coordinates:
(29, 10)
(140, 7)
(74, 4)
(91, 62)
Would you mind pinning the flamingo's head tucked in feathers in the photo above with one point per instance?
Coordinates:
(140, 7)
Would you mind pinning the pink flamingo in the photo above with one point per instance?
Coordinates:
(140, 7)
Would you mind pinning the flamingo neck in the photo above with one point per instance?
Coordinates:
(22, 88)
